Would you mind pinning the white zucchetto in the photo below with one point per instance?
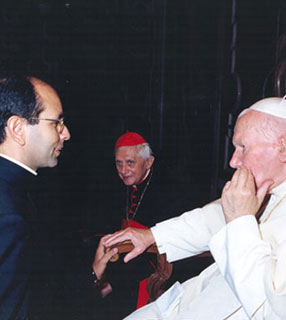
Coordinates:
(274, 106)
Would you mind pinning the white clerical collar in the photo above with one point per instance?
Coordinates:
(18, 163)
(146, 175)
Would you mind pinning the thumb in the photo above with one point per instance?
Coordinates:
(131, 255)
(264, 188)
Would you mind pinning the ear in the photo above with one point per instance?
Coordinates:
(150, 162)
(282, 148)
(15, 129)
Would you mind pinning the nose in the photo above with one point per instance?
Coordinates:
(124, 168)
(65, 135)
(235, 161)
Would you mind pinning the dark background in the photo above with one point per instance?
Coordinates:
(175, 71)
(178, 72)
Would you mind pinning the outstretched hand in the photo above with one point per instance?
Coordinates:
(101, 259)
(240, 197)
(140, 238)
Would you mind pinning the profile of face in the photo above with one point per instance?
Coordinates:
(131, 167)
(45, 140)
(257, 148)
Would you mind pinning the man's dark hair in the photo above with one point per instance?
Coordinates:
(18, 97)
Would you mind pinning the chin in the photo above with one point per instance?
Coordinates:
(128, 182)
(53, 163)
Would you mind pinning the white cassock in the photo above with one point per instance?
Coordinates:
(248, 278)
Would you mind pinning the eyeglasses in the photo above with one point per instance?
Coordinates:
(59, 123)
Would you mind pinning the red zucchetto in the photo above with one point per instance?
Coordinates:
(129, 139)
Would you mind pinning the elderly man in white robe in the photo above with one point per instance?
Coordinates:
(248, 278)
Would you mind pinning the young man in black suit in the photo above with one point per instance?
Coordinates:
(32, 135)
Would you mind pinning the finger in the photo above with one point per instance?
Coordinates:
(122, 236)
(235, 176)
(243, 178)
(132, 254)
(226, 187)
(102, 239)
(110, 237)
(249, 182)
(108, 255)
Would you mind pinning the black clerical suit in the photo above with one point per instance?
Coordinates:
(17, 228)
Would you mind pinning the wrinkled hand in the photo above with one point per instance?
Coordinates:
(101, 259)
(141, 239)
(240, 197)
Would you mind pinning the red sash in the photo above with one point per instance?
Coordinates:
(131, 223)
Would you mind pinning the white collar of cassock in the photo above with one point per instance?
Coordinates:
(19, 163)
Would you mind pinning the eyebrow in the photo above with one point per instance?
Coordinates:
(61, 116)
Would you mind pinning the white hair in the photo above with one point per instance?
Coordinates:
(144, 150)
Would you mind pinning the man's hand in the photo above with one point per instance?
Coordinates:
(141, 239)
(240, 197)
(101, 259)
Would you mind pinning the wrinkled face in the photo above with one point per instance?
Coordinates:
(256, 149)
(44, 143)
(130, 166)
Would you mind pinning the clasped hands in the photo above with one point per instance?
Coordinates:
(140, 238)
(241, 197)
